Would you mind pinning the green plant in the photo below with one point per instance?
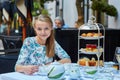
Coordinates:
(38, 7)
(98, 5)
(44, 11)
(111, 10)
(103, 6)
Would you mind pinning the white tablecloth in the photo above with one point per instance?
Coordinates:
(0, 78)
(20, 76)
(83, 75)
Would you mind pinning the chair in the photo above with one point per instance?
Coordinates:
(11, 44)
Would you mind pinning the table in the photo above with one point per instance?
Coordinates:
(83, 76)
(21, 76)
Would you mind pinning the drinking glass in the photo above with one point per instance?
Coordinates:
(117, 54)
(67, 68)
(74, 71)
(98, 57)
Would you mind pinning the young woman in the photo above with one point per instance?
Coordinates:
(41, 48)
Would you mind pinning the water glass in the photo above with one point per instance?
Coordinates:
(67, 68)
(74, 71)
(108, 67)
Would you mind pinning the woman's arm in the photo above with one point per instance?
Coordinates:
(22, 64)
(26, 69)
(62, 54)
(65, 60)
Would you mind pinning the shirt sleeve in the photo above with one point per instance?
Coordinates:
(65, 26)
(60, 52)
(24, 52)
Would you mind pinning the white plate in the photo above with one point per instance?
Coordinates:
(109, 63)
(88, 52)
(92, 38)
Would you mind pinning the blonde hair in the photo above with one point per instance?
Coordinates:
(50, 41)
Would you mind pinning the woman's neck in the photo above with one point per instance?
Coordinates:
(40, 41)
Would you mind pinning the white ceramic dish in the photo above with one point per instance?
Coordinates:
(83, 50)
(91, 38)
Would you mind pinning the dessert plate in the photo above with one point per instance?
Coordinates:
(92, 38)
(83, 50)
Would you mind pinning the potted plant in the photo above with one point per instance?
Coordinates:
(103, 6)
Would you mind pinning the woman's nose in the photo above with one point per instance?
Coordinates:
(43, 31)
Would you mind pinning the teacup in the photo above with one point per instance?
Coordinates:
(90, 70)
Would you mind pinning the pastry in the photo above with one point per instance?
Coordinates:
(100, 34)
(95, 50)
(95, 35)
(83, 61)
(84, 35)
(89, 34)
(92, 62)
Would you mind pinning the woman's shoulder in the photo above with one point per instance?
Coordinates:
(29, 39)
(56, 43)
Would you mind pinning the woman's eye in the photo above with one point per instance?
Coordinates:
(46, 28)
(38, 28)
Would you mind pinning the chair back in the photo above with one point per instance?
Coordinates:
(11, 44)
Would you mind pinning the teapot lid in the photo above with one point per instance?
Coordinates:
(90, 25)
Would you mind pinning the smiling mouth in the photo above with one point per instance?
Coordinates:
(44, 35)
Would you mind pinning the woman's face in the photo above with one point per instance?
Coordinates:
(43, 29)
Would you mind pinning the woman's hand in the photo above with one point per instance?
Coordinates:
(30, 69)
(27, 69)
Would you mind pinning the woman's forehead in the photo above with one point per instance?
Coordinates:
(42, 24)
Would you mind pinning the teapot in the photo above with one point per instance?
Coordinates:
(55, 70)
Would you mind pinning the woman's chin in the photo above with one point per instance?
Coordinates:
(44, 38)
